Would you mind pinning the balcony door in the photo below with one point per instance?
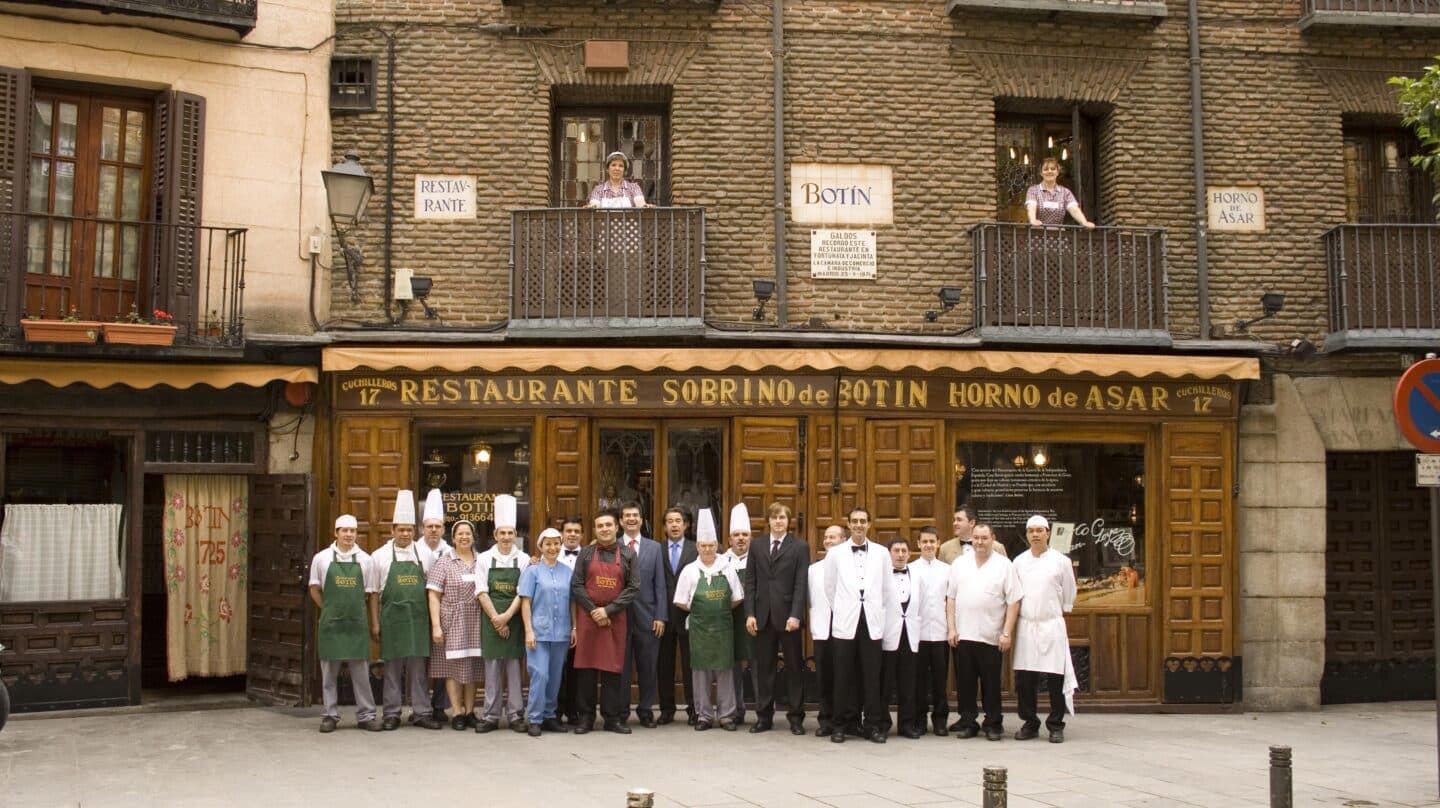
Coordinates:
(1023, 141)
(1381, 185)
(659, 464)
(89, 177)
(585, 135)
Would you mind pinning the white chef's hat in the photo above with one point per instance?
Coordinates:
(434, 507)
(740, 518)
(1037, 521)
(705, 526)
(404, 513)
(346, 520)
(547, 533)
(504, 511)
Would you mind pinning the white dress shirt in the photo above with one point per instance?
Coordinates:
(855, 580)
(934, 576)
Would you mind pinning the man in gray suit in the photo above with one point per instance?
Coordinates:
(647, 615)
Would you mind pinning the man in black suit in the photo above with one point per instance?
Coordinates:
(648, 614)
(676, 553)
(775, 586)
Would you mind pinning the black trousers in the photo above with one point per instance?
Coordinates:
(825, 678)
(769, 641)
(931, 673)
(641, 648)
(978, 663)
(672, 642)
(858, 671)
(1027, 693)
(899, 678)
(565, 702)
(614, 705)
(439, 699)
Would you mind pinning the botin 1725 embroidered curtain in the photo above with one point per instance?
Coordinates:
(207, 543)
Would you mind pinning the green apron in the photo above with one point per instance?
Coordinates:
(404, 612)
(744, 643)
(344, 626)
(504, 583)
(712, 627)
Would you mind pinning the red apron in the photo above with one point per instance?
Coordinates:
(602, 647)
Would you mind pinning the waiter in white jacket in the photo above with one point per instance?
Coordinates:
(819, 617)
(1041, 642)
(859, 587)
(902, 639)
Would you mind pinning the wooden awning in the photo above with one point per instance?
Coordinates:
(858, 360)
(144, 375)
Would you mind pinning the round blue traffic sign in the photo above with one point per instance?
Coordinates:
(1417, 405)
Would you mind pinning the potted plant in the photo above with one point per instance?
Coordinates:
(70, 329)
(134, 329)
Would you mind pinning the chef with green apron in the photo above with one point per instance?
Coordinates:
(736, 557)
(709, 590)
(339, 576)
(502, 632)
(400, 613)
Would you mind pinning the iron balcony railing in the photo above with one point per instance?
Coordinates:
(101, 269)
(1384, 285)
(237, 15)
(607, 269)
(1374, 6)
(1101, 285)
(1370, 13)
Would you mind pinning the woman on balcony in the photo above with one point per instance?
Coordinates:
(617, 192)
(1047, 202)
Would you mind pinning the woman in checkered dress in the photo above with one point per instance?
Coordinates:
(455, 625)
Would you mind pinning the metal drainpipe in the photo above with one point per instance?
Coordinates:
(389, 175)
(1202, 216)
(782, 314)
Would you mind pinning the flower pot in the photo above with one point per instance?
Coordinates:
(139, 334)
(83, 331)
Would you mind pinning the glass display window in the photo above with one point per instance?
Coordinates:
(471, 467)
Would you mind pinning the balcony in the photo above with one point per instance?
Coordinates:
(235, 15)
(1384, 285)
(102, 269)
(1138, 10)
(1071, 285)
(1370, 13)
(608, 272)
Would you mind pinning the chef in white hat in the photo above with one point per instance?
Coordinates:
(502, 632)
(738, 556)
(339, 576)
(433, 547)
(400, 615)
(1041, 643)
(709, 590)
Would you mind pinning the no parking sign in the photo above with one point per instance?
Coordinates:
(1417, 405)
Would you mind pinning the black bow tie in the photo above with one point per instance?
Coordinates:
(905, 571)
(572, 552)
(857, 548)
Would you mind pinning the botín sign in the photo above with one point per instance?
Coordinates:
(443, 196)
(841, 194)
(842, 254)
(1237, 210)
(742, 393)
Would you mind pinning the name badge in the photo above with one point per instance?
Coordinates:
(467, 577)
(1051, 205)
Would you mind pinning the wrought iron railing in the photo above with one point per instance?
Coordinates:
(1106, 283)
(1384, 283)
(103, 269)
(607, 268)
(1374, 6)
(237, 15)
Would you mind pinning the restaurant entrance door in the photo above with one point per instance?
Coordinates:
(659, 463)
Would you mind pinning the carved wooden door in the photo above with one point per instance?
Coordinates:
(374, 466)
(905, 477)
(277, 670)
(770, 469)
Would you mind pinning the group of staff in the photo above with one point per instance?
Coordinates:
(625, 607)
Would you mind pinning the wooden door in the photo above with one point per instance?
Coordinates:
(277, 671)
(905, 476)
(770, 469)
(374, 466)
(1378, 634)
(567, 470)
(837, 473)
(1199, 592)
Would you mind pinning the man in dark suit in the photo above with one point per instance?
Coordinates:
(676, 552)
(648, 614)
(775, 586)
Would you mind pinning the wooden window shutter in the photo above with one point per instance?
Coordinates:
(14, 154)
(179, 167)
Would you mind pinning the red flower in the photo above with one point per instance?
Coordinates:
(189, 614)
(225, 610)
(177, 537)
(160, 316)
(180, 576)
(235, 540)
(234, 572)
(238, 505)
(176, 501)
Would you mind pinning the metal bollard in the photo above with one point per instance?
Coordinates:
(639, 798)
(995, 788)
(1282, 778)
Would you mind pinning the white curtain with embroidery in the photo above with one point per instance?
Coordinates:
(207, 571)
(61, 552)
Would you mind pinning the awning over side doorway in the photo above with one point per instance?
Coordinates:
(339, 359)
(144, 375)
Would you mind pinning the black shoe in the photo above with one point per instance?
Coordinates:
(426, 722)
(666, 718)
(797, 728)
(875, 736)
(648, 723)
(824, 731)
(854, 732)
(617, 726)
(838, 737)
(968, 732)
(994, 734)
(1057, 736)
(328, 724)
(911, 733)
(391, 723)
(690, 720)
(373, 725)
(486, 726)
(552, 725)
(940, 729)
(518, 725)
(1027, 733)
(762, 726)
(728, 726)
(702, 725)
(584, 727)
(459, 723)
(534, 731)
(472, 720)
(956, 725)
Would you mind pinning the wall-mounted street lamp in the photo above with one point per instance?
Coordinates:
(1270, 304)
(949, 299)
(763, 292)
(347, 191)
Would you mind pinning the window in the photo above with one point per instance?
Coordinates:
(352, 84)
(1023, 141)
(89, 177)
(472, 466)
(1381, 186)
(585, 135)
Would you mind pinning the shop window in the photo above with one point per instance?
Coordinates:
(62, 535)
(471, 467)
(1381, 185)
(1093, 494)
(1023, 141)
(585, 135)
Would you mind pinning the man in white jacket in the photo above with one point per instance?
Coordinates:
(859, 587)
(902, 639)
(819, 619)
(1041, 642)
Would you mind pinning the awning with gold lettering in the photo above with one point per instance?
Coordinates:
(339, 359)
(144, 375)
